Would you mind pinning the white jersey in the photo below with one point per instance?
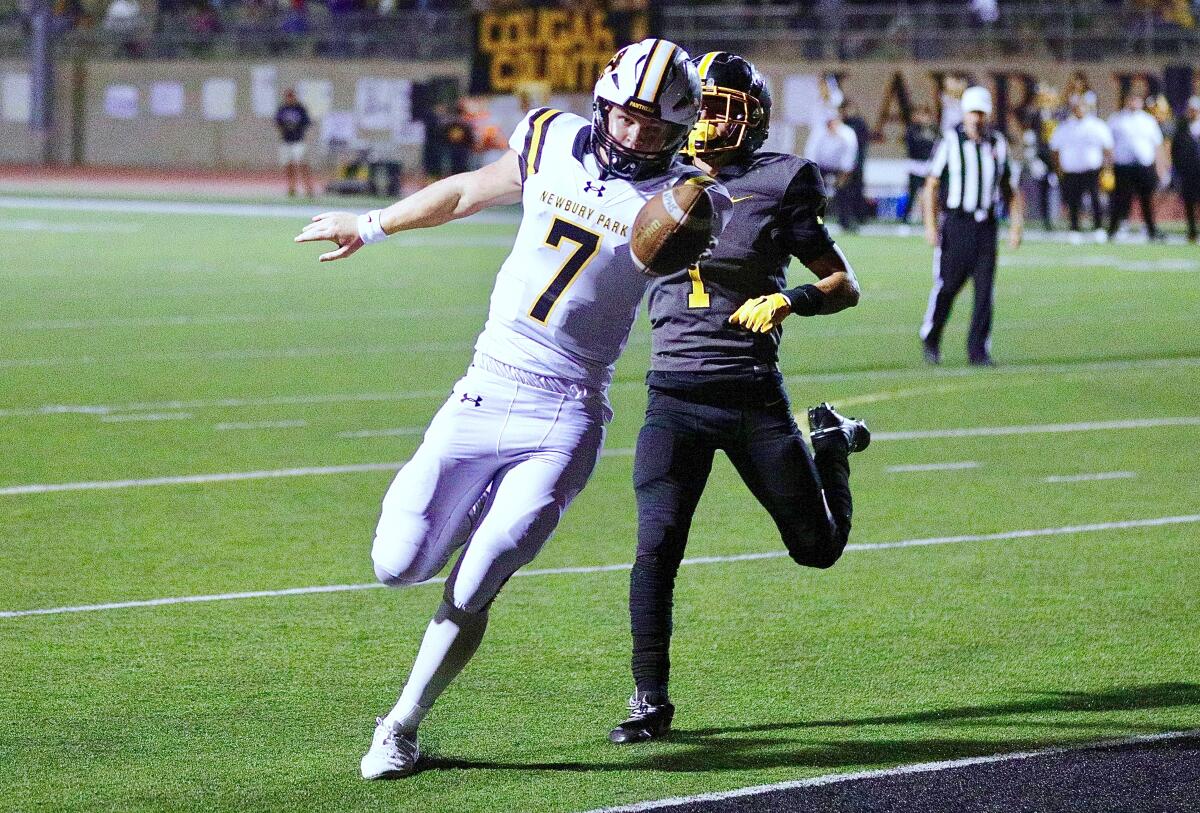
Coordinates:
(566, 297)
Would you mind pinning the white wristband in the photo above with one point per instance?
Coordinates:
(370, 230)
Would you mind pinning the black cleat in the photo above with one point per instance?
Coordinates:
(823, 422)
(933, 355)
(982, 361)
(647, 721)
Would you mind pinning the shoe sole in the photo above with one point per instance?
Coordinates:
(394, 773)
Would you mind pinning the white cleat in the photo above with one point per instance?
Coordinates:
(393, 755)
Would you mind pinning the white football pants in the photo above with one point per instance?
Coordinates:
(535, 447)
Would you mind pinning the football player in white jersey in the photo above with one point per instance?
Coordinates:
(522, 430)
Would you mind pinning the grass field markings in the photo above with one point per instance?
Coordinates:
(293, 424)
(900, 770)
(166, 207)
(631, 384)
(69, 228)
(147, 416)
(398, 431)
(924, 434)
(248, 354)
(1107, 261)
(190, 479)
(1037, 429)
(914, 467)
(225, 403)
(192, 320)
(911, 392)
(589, 569)
(1086, 478)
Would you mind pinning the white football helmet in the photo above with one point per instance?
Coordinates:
(651, 78)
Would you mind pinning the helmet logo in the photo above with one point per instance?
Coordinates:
(642, 107)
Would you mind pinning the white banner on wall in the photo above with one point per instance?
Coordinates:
(264, 91)
(383, 104)
(166, 99)
(121, 101)
(316, 95)
(16, 97)
(219, 99)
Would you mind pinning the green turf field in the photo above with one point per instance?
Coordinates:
(146, 346)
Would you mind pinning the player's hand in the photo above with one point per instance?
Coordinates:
(931, 235)
(339, 227)
(762, 314)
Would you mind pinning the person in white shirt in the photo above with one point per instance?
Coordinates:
(1139, 161)
(834, 149)
(1082, 145)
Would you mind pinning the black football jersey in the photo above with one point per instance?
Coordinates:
(778, 213)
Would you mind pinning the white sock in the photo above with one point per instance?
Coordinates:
(450, 640)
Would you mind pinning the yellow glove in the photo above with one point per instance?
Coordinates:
(1108, 181)
(763, 313)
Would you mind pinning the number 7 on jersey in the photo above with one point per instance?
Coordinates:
(588, 243)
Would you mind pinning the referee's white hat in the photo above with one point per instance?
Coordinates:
(976, 99)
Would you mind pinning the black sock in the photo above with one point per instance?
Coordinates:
(832, 456)
(651, 589)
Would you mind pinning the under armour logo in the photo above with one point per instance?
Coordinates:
(597, 188)
(477, 400)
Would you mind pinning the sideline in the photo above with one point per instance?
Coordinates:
(924, 767)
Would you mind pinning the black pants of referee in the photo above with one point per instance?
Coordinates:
(1074, 186)
(967, 252)
(1133, 180)
(753, 425)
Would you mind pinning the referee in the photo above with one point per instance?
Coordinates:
(968, 175)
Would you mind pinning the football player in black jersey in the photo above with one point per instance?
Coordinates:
(715, 382)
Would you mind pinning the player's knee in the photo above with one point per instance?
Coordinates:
(398, 561)
(816, 548)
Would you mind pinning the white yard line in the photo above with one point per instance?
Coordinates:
(558, 571)
(219, 477)
(1084, 478)
(166, 207)
(966, 464)
(188, 479)
(193, 320)
(147, 416)
(1037, 429)
(637, 384)
(398, 431)
(245, 354)
(224, 427)
(902, 770)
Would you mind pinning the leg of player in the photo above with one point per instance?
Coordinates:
(810, 503)
(671, 468)
(528, 498)
(951, 267)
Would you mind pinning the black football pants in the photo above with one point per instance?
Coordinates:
(1074, 186)
(675, 451)
(967, 252)
(1133, 180)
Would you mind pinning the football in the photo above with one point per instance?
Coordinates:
(672, 230)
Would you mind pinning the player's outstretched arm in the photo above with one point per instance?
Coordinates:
(449, 199)
(836, 282)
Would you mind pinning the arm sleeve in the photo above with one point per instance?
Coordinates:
(800, 226)
(941, 154)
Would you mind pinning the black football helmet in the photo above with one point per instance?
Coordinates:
(735, 107)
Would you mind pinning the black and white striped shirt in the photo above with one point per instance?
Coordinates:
(973, 174)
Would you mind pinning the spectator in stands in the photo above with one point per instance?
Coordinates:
(1040, 125)
(1139, 160)
(1083, 146)
(855, 189)
(920, 137)
(1185, 156)
(293, 121)
(834, 148)
(459, 139)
